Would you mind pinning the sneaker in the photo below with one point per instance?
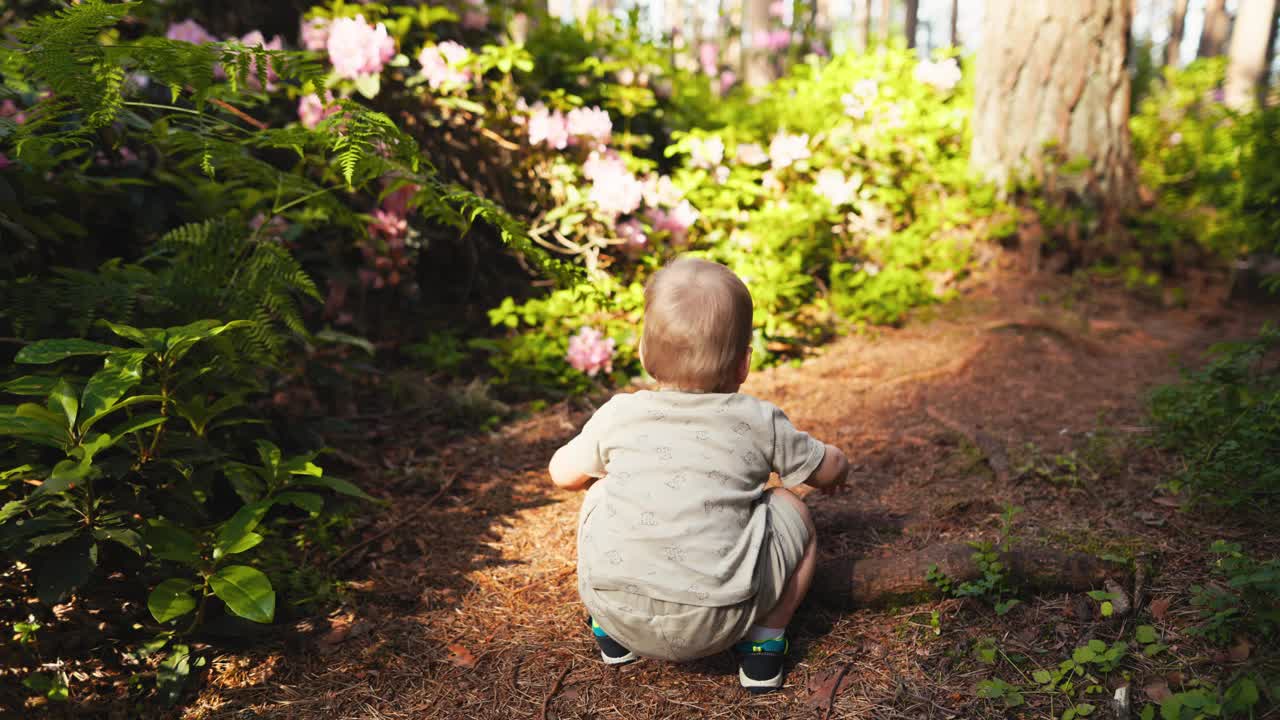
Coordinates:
(760, 663)
(611, 651)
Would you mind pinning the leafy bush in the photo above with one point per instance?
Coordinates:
(1224, 422)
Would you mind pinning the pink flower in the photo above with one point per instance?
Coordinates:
(389, 226)
(786, 150)
(614, 190)
(546, 126)
(440, 65)
(752, 154)
(706, 152)
(475, 19)
(677, 222)
(398, 202)
(9, 109)
(709, 57)
(590, 352)
(189, 31)
(778, 8)
(727, 80)
(832, 185)
(773, 40)
(315, 34)
(590, 122)
(631, 232)
(357, 48)
(943, 75)
(312, 110)
(660, 191)
(5, 162)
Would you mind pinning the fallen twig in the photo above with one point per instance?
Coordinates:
(992, 450)
(835, 688)
(555, 688)
(397, 524)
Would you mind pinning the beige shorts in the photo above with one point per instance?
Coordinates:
(675, 631)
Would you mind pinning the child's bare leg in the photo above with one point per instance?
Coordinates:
(798, 584)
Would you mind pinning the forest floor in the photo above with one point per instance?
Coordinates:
(461, 602)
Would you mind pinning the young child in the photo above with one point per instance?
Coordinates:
(682, 552)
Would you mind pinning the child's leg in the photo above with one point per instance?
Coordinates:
(798, 584)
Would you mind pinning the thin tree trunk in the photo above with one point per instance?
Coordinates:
(1247, 67)
(1213, 38)
(886, 20)
(955, 23)
(1177, 26)
(1052, 72)
(759, 68)
(911, 25)
(861, 25)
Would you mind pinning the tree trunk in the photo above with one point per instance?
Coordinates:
(861, 25)
(1213, 38)
(1177, 25)
(955, 23)
(1051, 72)
(1247, 67)
(849, 582)
(886, 20)
(759, 68)
(911, 25)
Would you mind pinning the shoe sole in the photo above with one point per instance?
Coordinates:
(753, 685)
(620, 660)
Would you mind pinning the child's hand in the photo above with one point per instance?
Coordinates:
(833, 472)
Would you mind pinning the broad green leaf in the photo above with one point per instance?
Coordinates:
(92, 445)
(337, 485)
(270, 455)
(30, 385)
(11, 509)
(44, 352)
(1082, 655)
(127, 402)
(66, 475)
(338, 337)
(36, 430)
(180, 340)
(310, 502)
(120, 373)
(302, 466)
(241, 524)
(1042, 676)
(169, 542)
(65, 568)
(62, 401)
(1084, 710)
(51, 539)
(248, 541)
(1097, 646)
(133, 425)
(1107, 609)
(123, 536)
(245, 481)
(171, 598)
(246, 591)
(1145, 634)
(146, 338)
(369, 85)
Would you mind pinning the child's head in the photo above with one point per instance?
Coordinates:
(697, 327)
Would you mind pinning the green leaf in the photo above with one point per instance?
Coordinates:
(246, 591)
(270, 455)
(169, 542)
(1082, 655)
(170, 599)
(248, 541)
(127, 402)
(1107, 609)
(338, 337)
(123, 536)
(241, 524)
(1042, 676)
(30, 385)
(337, 485)
(66, 475)
(310, 502)
(65, 568)
(146, 338)
(1148, 713)
(1145, 634)
(36, 430)
(180, 340)
(369, 85)
(120, 373)
(133, 425)
(1097, 646)
(1084, 710)
(63, 400)
(44, 352)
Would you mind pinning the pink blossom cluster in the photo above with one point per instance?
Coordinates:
(659, 190)
(442, 65)
(614, 189)
(315, 34)
(858, 102)
(751, 154)
(778, 8)
(709, 57)
(835, 187)
(943, 75)
(312, 110)
(706, 152)
(189, 31)
(9, 109)
(786, 150)
(631, 232)
(590, 352)
(675, 221)
(388, 260)
(476, 16)
(559, 130)
(773, 40)
(727, 80)
(358, 48)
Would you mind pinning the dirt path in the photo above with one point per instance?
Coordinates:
(465, 607)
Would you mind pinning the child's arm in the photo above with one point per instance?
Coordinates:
(567, 474)
(576, 465)
(833, 470)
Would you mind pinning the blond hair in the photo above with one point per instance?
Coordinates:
(697, 325)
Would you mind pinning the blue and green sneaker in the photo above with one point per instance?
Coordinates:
(611, 651)
(760, 663)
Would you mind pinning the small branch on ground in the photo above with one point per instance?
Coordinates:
(413, 515)
(993, 452)
(555, 688)
(835, 688)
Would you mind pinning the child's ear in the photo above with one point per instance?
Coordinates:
(744, 368)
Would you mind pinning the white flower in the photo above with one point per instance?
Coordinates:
(786, 150)
(943, 75)
(832, 185)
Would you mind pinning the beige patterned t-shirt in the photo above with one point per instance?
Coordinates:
(675, 514)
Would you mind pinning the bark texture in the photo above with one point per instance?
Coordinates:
(955, 23)
(849, 582)
(1247, 66)
(1213, 38)
(886, 20)
(1054, 72)
(759, 68)
(1177, 27)
(861, 25)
